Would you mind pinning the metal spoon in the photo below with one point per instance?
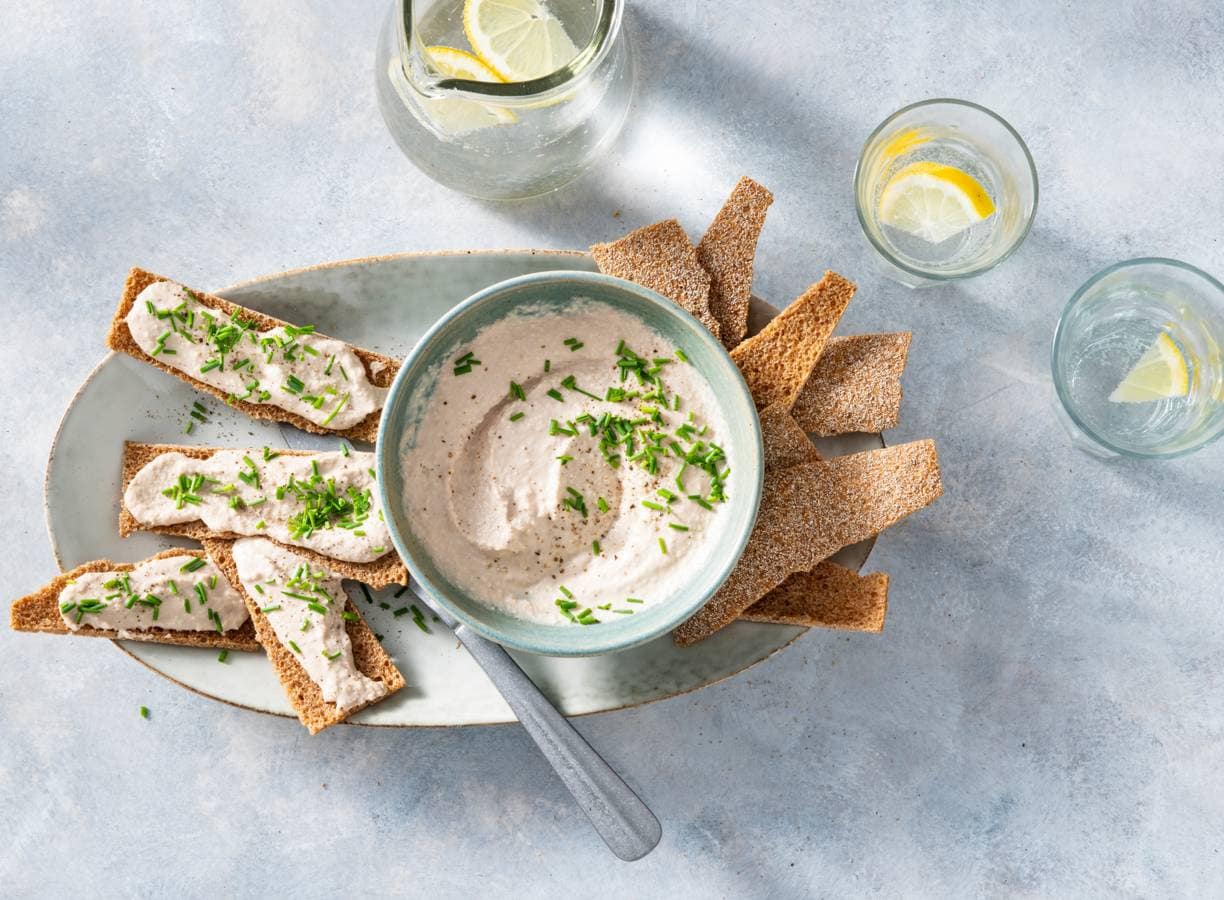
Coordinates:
(624, 822)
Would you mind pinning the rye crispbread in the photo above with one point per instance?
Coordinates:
(661, 257)
(777, 361)
(785, 443)
(368, 655)
(829, 596)
(380, 369)
(387, 569)
(727, 251)
(855, 386)
(40, 611)
(811, 510)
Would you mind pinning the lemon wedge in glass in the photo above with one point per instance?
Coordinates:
(1161, 373)
(455, 115)
(933, 201)
(518, 39)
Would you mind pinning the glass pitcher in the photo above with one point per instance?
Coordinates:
(494, 138)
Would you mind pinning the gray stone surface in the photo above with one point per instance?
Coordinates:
(1042, 714)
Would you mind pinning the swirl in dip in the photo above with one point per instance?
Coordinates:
(568, 467)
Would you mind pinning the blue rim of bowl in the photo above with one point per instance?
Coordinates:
(888, 254)
(383, 449)
(1056, 346)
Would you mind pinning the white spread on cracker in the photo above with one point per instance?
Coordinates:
(537, 498)
(304, 604)
(177, 593)
(317, 378)
(324, 501)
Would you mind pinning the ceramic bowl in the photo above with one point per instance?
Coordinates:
(409, 397)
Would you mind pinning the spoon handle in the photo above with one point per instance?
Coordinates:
(625, 823)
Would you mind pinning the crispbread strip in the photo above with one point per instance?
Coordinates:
(727, 250)
(777, 361)
(855, 386)
(810, 511)
(786, 444)
(39, 611)
(829, 596)
(379, 573)
(662, 258)
(380, 369)
(312, 710)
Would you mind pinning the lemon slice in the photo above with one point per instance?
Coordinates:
(456, 115)
(933, 201)
(1162, 372)
(460, 64)
(518, 39)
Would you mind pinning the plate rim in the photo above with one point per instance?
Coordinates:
(333, 264)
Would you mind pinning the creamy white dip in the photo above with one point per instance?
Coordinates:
(176, 593)
(294, 369)
(324, 501)
(496, 492)
(313, 629)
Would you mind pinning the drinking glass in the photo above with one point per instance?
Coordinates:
(1109, 325)
(503, 140)
(971, 140)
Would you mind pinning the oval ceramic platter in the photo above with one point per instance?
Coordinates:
(383, 303)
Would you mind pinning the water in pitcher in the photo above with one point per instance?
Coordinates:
(504, 98)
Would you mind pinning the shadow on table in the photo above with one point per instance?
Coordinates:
(673, 67)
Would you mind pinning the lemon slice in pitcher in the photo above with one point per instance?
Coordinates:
(1161, 373)
(456, 115)
(518, 39)
(933, 201)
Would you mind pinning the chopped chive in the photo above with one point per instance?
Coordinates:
(566, 591)
(547, 365)
(259, 588)
(261, 524)
(190, 427)
(602, 504)
(173, 587)
(663, 546)
(595, 548)
(516, 391)
(222, 656)
(633, 600)
(403, 610)
(623, 612)
(677, 527)
(564, 458)
(700, 501)
(270, 609)
(556, 395)
(650, 504)
(366, 591)
(332, 655)
(681, 355)
(339, 406)
(144, 712)
(516, 416)
(401, 591)
(314, 607)
(295, 647)
(419, 619)
(196, 563)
